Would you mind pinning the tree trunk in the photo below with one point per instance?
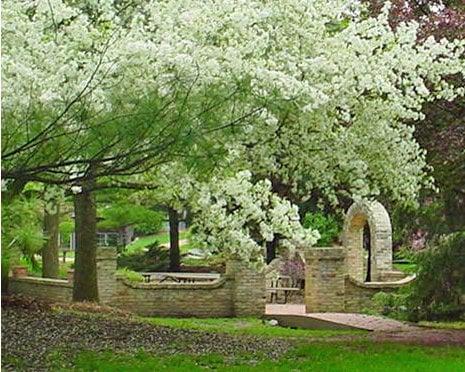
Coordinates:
(85, 267)
(50, 260)
(271, 249)
(175, 256)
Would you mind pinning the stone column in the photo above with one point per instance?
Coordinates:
(106, 269)
(324, 279)
(249, 292)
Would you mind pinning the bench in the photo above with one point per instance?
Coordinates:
(283, 284)
(287, 291)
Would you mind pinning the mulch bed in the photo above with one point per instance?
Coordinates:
(31, 330)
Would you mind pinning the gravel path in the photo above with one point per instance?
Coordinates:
(30, 335)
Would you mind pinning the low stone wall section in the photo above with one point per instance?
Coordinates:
(241, 292)
(187, 299)
(359, 296)
(53, 290)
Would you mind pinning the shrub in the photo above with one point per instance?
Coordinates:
(392, 304)
(22, 234)
(405, 253)
(440, 286)
(156, 258)
(328, 227)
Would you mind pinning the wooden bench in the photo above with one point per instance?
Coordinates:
(282, 284)
(287, 291)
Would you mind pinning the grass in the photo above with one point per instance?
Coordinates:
(246, 326)
(162, 238)
(354, 356)
(130, 275)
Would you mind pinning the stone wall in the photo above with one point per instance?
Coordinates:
(359, 296)
(248, 291)
(241, 292)
(189, 299)
(106, 269)
(54, 290)
(329, 289)
(324, 279)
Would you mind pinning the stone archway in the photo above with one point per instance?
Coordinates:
(379, 223)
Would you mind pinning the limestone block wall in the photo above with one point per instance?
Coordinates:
(324, 279)
(106, 270)
(329, 289)
(54, 290)
(240, 293)
(359, 296)
(249, 289)
(189, 299)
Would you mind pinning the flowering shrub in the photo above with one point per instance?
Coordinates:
(294, 268)
(236, 217)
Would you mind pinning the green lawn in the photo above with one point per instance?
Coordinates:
(246, 326)
(162, 238)
(352, 356)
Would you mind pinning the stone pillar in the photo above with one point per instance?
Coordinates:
(353, 241)
(70, 276)
(106, 269)
(324, 279)
(248, 291)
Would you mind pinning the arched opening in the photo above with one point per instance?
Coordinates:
(367, 238)
(367, 251)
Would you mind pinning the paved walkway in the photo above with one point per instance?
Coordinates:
(361, 321)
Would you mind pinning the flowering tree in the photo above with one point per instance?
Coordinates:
(339, 92)
(236, 217)
(347, 136)
(313, 95)
(442, 132)
(86, 102)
